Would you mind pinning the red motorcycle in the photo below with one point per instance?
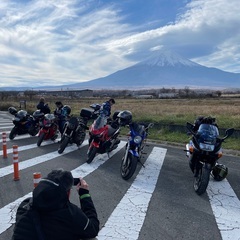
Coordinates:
(103, 136)
(49, 129)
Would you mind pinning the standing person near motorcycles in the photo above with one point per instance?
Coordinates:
(62, 113)
(105, 112)
(42, 106)
(49, 214)
(105, 109)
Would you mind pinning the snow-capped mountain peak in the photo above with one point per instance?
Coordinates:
(166, 57)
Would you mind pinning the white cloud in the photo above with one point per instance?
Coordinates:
(62, 41)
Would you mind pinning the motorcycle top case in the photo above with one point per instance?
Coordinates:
(12, 110)
(87, 113)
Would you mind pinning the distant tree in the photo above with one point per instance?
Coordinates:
(30, 94)
(219, 93)
(187, 91)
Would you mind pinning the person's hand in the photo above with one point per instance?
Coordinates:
(82, 184)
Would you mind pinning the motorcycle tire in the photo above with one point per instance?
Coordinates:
(33, 131)
(201, 181)
(13, 133)
(91, 154)
(80, 137)
(40, 139)
(129, 168)
(63, 145)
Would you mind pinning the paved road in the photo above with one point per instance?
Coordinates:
(157, 203)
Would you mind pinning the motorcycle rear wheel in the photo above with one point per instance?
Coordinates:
(13, 133)
(63, 144)
(201, 181)
(80, 137)
(33, 130)
(129, 168)
(91, 154)
(40, 139)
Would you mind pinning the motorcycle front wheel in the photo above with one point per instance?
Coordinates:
(128, 169)
(91, 154)
(63, 144)
(40, 139)
(13, 133)
(201, 181)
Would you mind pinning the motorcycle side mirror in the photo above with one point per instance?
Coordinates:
(190, 127)
(150, 125)
(228, 133)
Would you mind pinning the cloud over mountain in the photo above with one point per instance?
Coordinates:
(164, 68)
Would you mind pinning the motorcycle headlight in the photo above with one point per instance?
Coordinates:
(206, 147)
(137, 139)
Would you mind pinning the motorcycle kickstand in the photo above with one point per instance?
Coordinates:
(141, 163)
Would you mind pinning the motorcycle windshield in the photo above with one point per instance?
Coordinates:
(49, 116)
(207, 135)
(138, 129)
(100, 122)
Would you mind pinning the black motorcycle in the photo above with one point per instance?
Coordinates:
(203, 151)
(24, 123)
(75, 128)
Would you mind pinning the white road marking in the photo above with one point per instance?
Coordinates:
(226, 209)
(30, 146)
(23, 136)
(8, 212)
(127, 219)
(37, 160)
(6, 125)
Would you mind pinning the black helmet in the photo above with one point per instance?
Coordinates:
(219, 172)
(125, 117)
(115, 115)
(66, 110)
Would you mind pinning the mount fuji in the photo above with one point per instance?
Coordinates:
(164, 69)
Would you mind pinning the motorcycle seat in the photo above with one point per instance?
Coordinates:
(111, 130)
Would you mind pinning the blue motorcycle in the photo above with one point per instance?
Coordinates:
(136, 143)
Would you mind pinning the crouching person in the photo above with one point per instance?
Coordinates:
(50, 215)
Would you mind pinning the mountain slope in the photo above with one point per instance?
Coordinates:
(165, 69)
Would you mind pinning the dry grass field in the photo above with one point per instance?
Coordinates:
(174, 111)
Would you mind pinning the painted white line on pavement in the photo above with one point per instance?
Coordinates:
(6, 125)
(86, 168)
(127, 219)
(40, 159)
(18, 137)
(226, 209)
(30, 146)
(8, 212)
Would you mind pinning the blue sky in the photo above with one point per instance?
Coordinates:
(57, 42)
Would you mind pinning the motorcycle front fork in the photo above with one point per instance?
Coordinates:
(126, 154)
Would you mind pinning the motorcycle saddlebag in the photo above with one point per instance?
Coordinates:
(86, 113)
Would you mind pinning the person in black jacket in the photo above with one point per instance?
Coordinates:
(42, 106)
(49, 214)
